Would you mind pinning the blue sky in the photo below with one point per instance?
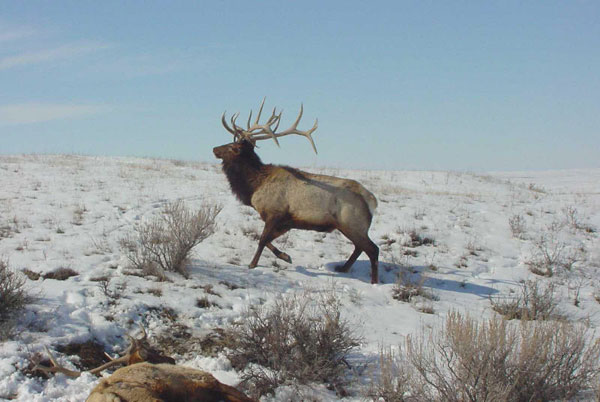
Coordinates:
(395, 85)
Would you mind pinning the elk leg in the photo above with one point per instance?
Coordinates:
(279, 254)
(265, 238)
(363, 243)
(350, 261)
(373, 252)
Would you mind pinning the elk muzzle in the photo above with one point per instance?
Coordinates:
(221, 151)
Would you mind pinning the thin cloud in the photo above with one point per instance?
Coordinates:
(15, 34)
(57, 53)
(143, 64)
(30, 113)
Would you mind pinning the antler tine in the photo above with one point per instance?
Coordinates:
(133, 348)
(266, 134)
(132, 344)
(257, 131)
(125, 359)
(238, 131)
(114, 362)
(260, 110)
(56, 367)
(144, 334)
(275, 118)
(299, 117)
(225, 124)
(308, 135)
(233, 119)
(278, 120)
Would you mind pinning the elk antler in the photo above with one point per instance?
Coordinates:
(136, 352)
(257, 131)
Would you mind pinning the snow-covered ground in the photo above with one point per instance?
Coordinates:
(71, 212)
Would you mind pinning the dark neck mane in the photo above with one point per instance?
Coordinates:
(245, 174)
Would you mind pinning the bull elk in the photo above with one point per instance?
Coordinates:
(288, 198)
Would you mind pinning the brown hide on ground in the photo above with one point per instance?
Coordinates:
(144, 382)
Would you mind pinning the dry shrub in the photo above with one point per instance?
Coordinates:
(297, 340)
(164, 243)
(393, 382)
(409, 287)
(204, 302)
(5, 231)
(533, 301)
(491, 360)
(114, 292)
(517, 226)
(551, 255)
(573, 220)
(13, 298)
(9, 227)
(415, 239)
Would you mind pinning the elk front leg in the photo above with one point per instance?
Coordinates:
(265, 238)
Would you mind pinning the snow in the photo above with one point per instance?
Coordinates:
(71, 211)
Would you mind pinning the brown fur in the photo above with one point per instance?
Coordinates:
(144, 382)
(288, 198)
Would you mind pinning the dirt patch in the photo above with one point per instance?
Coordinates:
(214, 342)
(231, 286)
(61, 274)
(203, 302)
(32, 275)
(90, 353)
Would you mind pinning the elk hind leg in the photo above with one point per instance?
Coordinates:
(279, 254)
(373, 252)
(346, 267)
(362, 242)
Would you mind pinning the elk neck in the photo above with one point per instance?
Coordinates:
(245, 174)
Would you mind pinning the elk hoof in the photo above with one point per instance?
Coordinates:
(252, 266)
(285, 258)
(342, 268)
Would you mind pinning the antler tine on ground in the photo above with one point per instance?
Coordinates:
(135, 348)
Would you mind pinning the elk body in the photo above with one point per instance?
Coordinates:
(146, 382)
(288, 198)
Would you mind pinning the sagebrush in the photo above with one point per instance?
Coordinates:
(165, 242)
(299, 339)
(518, 226)
(551, 255)
(533, 301)
(409, 288)
(491, 360)
(13, 298)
